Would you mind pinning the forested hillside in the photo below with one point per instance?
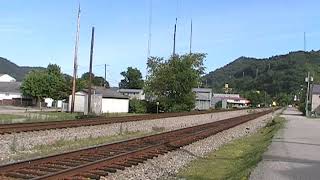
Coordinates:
(18, 72)
(275, 75)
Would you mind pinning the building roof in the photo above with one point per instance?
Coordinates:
(208, 90)
(130, 90)
(107, 93)
(13, 87)
(226, 95)
(316, 89)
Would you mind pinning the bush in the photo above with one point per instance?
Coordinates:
(137, 106)
(89, 116)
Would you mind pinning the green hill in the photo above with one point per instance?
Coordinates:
(275, 75)
(18, 72)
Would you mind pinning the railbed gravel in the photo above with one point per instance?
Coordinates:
(10, 144)
(167, 166)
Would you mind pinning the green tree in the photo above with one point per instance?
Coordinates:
(96, 80)
(57, 88)
(132, 79)
(36, 85)
(49, 83)
(171, 81)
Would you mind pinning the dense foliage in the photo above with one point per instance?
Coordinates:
(171, 81)
(137, 106)
(281, 77)
(132, 79)
(96, 80)
(45, 83)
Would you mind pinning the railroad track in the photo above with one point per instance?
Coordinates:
(38, 126)
(102, 160)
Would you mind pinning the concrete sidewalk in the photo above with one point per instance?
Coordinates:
(294, 152)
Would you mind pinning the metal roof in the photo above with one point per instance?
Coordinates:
(107, 93)
(13, 87)
(130, 90)
(316, 89)
(208, 90)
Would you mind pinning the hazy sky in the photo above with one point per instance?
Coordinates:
(38, 32)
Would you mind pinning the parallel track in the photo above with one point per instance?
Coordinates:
(102, 160)
(38, 126)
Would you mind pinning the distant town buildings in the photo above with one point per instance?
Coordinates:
(230, 100)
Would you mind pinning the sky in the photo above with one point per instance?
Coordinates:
(39, 32)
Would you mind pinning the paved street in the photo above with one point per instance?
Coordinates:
(294, 152)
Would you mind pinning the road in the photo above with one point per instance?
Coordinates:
(294, 152)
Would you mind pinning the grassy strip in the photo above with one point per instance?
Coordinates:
(234, 160)
(63, 145)
(9, 117)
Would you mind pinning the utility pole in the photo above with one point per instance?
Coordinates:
(150, 26)
(308, 80)
(304, 41)
(174, 38)
(191, 37)
(105, 75)
(90, 71)
(75, 63)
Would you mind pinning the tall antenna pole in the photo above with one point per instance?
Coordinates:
(75, 63)
(90, 71)
(174, 38)
(304, 41)
(150, 25)
(105, 75)
(191, 37)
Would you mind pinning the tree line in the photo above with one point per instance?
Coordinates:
(169, 82)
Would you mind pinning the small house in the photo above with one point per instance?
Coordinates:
(103, 100)
(6, 78)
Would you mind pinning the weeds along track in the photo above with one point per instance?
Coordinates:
(102, 160)
(38, 126)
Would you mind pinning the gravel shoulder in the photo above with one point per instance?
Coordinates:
(294, 151)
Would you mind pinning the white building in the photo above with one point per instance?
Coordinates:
(133, 93)
(110, 102)
(10, 90)
(203, 98)
(6, 78)
(315, 99)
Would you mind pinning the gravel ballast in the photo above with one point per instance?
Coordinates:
(13, 143)
(166, 166)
